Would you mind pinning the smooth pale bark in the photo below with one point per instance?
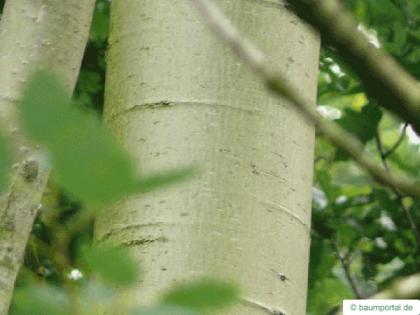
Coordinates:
(176, 96)
(34, 34)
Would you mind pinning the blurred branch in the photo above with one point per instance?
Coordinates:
(407, 213)
(278, 83)
(383, 78)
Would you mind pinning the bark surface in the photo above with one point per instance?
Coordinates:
(176, 96)
(34, 34)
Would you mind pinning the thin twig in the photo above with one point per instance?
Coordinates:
(346, 267)
(381, 150)
(407, 213)
(397, 143)
(278, 83)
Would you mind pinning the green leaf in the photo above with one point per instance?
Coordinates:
(351, 180)
(362, 124)
(5, 161)
(322, 260)
(97, 298)
(114, 264)
(44, 106)
(202, 295)
(88, 162)
(40, 300)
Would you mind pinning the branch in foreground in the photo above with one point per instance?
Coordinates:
(383, 78)
(279, 84)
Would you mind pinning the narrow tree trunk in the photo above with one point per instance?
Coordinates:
(176, 96)
(34, 34)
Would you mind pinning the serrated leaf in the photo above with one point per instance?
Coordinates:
(114, 264)
(202, 295)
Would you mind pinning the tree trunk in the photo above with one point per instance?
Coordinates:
(176, 96)
(34, 34)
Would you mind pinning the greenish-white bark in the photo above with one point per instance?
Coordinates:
(34, 34)
(176, 96)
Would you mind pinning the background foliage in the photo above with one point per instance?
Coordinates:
(363, 235)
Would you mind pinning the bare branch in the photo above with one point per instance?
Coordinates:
(383, 78)
(279, 84)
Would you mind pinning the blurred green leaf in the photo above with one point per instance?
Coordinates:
(114, 264)
(322, 260)
(407, 158)
(327, 294)
(351, 180)
(97, 298)
(88, 162)
(202, 295)
(40, 300)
